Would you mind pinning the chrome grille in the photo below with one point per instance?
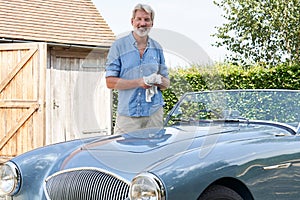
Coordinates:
(85, 184)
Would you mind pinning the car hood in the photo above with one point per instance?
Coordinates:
(135, 152)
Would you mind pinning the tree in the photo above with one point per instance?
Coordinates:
(260, 31)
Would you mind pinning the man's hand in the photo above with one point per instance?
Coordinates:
(153, 79)
(157, 80)
(144, 85)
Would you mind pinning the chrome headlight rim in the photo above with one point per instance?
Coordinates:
(16, 182)
(154, 180)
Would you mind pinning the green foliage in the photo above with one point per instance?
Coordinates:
(260, 31)
(222, 77)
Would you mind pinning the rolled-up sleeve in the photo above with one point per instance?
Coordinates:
(113, 64)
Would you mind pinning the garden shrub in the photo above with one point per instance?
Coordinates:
(221, 77)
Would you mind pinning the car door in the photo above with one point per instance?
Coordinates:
(278, 171)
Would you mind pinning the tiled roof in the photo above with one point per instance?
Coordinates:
(56, 21)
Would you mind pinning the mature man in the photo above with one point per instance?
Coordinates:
(136, 68)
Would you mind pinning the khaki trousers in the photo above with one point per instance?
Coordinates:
(125, 124)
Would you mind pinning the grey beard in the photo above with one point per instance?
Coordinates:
(142, 33)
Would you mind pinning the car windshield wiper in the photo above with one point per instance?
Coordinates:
(232, 120)
(192, 121)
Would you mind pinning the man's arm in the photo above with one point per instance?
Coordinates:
(113, 82)
(165, 83)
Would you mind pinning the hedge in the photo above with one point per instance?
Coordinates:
(220, 77)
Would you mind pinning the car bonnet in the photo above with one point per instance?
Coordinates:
(132, 153)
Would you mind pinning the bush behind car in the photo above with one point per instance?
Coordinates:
(221, 76)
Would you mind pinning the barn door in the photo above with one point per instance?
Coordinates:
(22, 97)
(80, 102)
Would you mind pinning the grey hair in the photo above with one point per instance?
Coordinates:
(144, 7)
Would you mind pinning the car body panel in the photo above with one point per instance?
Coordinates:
(247, 166)
(179, 161)
(262, 157)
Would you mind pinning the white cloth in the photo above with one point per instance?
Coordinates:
(150, 93)
(151, 80)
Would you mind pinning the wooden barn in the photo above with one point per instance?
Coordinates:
(52, 85)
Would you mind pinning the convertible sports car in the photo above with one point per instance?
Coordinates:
(229, 145)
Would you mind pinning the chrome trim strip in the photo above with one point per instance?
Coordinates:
(279, 166)
(298, 128)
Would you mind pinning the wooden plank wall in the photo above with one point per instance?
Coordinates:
(79, 104)
(22, 97)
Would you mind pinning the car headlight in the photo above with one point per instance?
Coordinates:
(146, 186)
(9, 179)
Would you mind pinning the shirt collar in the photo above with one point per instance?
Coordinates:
(133, 41)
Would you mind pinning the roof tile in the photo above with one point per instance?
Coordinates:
(59, 21)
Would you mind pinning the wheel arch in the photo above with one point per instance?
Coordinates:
(235, 185)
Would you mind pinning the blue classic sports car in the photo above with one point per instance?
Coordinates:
(229, 145)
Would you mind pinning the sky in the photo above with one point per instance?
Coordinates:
(186, 21)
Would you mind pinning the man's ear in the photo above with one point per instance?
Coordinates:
(131, 21)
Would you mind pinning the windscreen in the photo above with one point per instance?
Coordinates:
(270, 105)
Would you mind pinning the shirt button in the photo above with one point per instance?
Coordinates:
(139, 93)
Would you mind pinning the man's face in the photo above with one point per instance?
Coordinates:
(142, 23)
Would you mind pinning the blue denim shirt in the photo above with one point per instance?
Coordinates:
(124, 61)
